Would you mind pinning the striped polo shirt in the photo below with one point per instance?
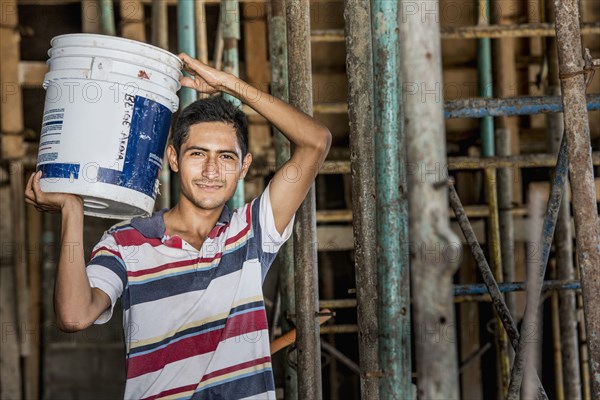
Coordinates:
(194, 322)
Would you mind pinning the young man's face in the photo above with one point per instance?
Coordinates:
(209, 164)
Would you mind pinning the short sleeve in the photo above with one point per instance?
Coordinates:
(271, 239)
(106, 271)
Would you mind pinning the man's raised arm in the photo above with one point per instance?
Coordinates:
(311, 140)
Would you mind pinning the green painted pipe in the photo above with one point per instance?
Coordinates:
(107, 17)
(392, 206)
(186, 39)
(230, 23)
(187, 44)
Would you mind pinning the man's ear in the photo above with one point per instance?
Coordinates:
(246, 165)
(172, 157)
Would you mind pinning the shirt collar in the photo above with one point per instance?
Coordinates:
(154, 225)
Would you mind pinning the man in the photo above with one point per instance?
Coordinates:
(190, 278)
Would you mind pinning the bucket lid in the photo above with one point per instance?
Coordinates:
(117, 43)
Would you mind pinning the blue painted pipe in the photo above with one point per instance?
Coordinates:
(505, 287)
(483, 107)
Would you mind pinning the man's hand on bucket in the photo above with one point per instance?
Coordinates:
(49, 202)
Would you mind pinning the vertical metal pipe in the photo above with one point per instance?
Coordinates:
(359, 69)
(107, 17)
(484, 74)
(201, 34)
(557, 344)
(577, 131)
(558, 185)
(160, 38)
(529, 349)
(432, 269)
(279, 88)
(186, 38)
(392, 201)
(230, 23)
(160, 24)
(505, 206)
(488, 278)
(305, 227)
(563, 238)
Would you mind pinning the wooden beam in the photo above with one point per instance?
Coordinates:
(32, 363)
(255, 41)
(11, 124)
(32, 73)
(90, 16)
(132, 20)
(10, 373)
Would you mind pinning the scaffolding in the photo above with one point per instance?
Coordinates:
(397, 135)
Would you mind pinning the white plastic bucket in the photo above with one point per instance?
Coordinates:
(107, 114)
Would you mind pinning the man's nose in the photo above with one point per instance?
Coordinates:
(211, 170)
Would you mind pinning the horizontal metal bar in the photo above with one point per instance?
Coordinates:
(484, 107)
(514, 161)
(480, 288)
(472, 289)
(474, 32)
(474, 107)
(468, 163)
(339, 329)
(473, 211)
(505, 31)
(337, 303)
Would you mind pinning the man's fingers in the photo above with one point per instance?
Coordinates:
(188, 82)
(36, 184)
(29, 187)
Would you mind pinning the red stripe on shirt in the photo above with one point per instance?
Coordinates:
(237, 367)
(114, 252)
(133, 237)
(196, 345)
(169, 392)
(177, 264)
(243, 232)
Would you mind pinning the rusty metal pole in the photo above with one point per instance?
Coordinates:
(563, 239)
(434, 246)
(392, 205)
(359, 69)
(285, 258)
(305, 227)
(577, 130)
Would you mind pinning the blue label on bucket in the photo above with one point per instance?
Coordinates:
(150, 123)
(59, 170)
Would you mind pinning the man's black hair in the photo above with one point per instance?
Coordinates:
(212, 109)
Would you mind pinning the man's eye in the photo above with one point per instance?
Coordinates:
(227, 157)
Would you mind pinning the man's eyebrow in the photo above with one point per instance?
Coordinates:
(232, 152)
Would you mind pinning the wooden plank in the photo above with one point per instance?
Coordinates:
(201, 34)
(90, 16)
(11, 124)
(32, 73)
(32, 363)
(132, 20)
(20, 251)
(10, 375)
(255, 42)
